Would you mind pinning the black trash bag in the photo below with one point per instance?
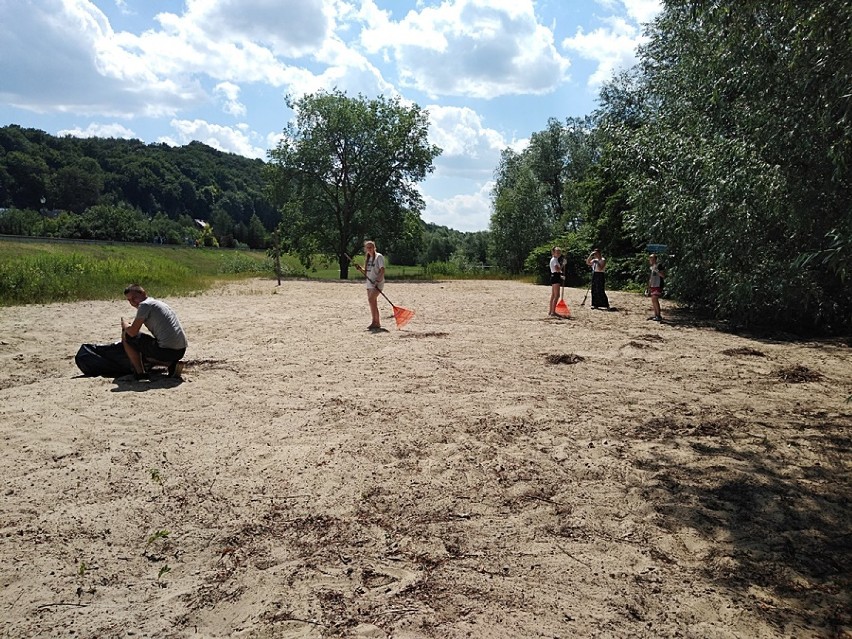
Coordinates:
(106, 360)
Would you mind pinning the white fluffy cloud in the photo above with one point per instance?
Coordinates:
(642, 10)
(459, 131)
(230, 94)
(179, 74)
(113, 130)
(475, 48)
(463, 212)
(613, 46)
(230, 139)
(63, 56)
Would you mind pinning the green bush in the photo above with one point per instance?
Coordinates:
(460, 268)
(242, 263)
(443, 269)
(574, 247)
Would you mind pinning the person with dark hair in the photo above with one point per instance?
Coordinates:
(598, 264)
(167, 342)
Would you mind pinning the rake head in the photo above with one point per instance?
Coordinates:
(402, 316)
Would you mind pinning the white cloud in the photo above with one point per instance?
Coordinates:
(231, 92)
(230, 139)
(459, 132)
(474, 48)
(463, 212)
(291, 28)
(614, 45)
(643, 10)
(79, 65)
(99, 131)
(89, 68)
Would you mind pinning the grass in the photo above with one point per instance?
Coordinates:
(38, 272)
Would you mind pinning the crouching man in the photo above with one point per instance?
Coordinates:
(167, 343)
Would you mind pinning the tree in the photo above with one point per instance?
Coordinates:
(29, 175)
(404, 249)
(76, 187)
(737, 148)
(548, 157)
(520, 221)
(256, 234)
(347, 169)
(222, 226)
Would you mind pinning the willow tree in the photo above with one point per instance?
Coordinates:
(347, 169)
(741, 160)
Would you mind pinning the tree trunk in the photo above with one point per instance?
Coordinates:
(344, 267)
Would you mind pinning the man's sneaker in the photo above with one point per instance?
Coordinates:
(175, 369)
(141, 376)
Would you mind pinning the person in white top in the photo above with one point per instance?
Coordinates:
(374, 271)
(598, 264)
(555, 278)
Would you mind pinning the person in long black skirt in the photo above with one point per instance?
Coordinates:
(598, 264)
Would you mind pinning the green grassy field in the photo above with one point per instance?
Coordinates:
(41, 271)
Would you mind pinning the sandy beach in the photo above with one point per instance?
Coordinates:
(485, 472)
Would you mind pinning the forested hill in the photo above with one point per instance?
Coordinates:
(41, 171)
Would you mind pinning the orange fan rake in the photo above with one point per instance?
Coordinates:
(402, 316)
(562, 309)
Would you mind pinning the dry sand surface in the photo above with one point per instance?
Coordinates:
(485, 472)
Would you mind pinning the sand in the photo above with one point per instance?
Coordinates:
(485, 472)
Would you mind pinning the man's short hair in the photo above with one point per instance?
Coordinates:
(134, 288)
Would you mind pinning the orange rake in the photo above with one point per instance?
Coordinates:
(562, 309)
(401, 316)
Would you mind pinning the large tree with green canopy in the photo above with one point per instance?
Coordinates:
(740, 158)
(347, 168)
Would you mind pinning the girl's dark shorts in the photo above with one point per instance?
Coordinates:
(149, 348)
(556, 278)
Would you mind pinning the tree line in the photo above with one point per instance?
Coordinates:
(730, 143)
(105, 188)
(126, 190)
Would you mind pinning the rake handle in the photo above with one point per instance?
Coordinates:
(358, 266)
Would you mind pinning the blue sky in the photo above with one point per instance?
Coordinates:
(490, 72)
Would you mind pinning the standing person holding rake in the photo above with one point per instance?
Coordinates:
(598, 264)
(556, 278)
(374, 271)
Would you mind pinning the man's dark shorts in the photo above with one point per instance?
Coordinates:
(149, 348)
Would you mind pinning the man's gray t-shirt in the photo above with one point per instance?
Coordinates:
(162, 322)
